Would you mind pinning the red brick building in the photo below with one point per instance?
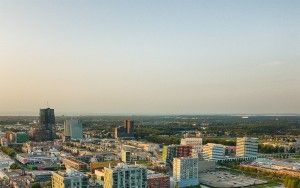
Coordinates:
(158, 181)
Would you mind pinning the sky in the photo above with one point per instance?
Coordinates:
(150, 57)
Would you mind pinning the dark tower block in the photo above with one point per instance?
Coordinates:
(47, 122)
(129, 127)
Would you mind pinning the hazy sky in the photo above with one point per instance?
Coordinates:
(150, 57)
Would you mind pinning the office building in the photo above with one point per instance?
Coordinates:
(69, 179)
(246, 147)
(47, 118)
(125, 176)
(129, 126)
(126, 131)
(213, 152)
(185, 171)
(45, 131)
(73, 129)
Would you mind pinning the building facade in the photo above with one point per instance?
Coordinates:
(185, 171)
(69, 179)
(125, 156)
(75, 164)
(47, 118)
(125, 176)
(213, 151)
(125, 131)
(158, 181)
(193, 139)
(129, 126)
(73, 129)
(45, 131)
(172, 151)
(246, 147)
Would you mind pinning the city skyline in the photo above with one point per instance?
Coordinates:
(138, 57)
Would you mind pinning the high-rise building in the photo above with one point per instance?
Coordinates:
(185, 171)
(129, 126)
(193, 139)
(47, 124)
(129, 176)
(125, 156)
(73, 129)
(246, 147)
(213, 151)
(125, 131)
(172, 151)
(47, 118)
(70, 179)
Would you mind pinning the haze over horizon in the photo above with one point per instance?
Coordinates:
(150, 57)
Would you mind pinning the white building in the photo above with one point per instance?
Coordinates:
(73, 129)
(185, 171)
(246, 147)
(129, 176)
(213, 151)
(193, 139)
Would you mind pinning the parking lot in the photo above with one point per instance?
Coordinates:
(227, 179)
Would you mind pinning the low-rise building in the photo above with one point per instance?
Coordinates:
(72, 163)
(41, 176)
(5, 161)
(158, 181)
(3, 141)
(70, 179)
(35, 158)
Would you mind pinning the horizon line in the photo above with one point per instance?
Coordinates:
(156, 114)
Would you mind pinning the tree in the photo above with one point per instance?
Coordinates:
(14, 166)
(8, 151)
(36, 185)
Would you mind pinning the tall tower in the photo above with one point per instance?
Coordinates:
(129, 126)
(73, 129)
(47, 121)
